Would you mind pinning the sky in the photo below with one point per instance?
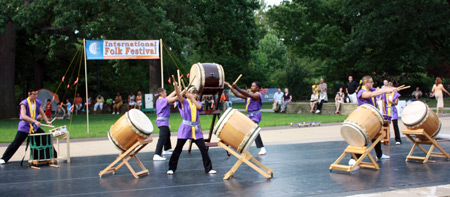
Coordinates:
(273, 2)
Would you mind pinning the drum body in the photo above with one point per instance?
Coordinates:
(362, 125)
(417, 115)
(41, 147)
(236, 129)
(128, 128)
(207, 77)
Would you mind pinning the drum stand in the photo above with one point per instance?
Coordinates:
(429, 141)
(215, 112)
(386, 132)
(363, 151)
(247, 158)
(126, 156)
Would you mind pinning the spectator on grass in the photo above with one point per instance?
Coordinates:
(351, 89)
(313, 101)
(339, 99)
(117, 103)
(139, 100)
(417, 94)
(277, 98)
(78, 103)
(287, 98)
(100, 100)
(109, 103)
(323, 96)
(131, 101)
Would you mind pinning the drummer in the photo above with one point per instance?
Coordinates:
(253, 105)
(162, 122)
(189, 129)
(30, 108)
(390, 101)
(367, 95)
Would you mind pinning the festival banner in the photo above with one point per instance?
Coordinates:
(122, 49)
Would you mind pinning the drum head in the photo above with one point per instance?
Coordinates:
(140, 121)
(353, 135)
(414, 113)
(196, 77)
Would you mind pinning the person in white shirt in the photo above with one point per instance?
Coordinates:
(277, 98)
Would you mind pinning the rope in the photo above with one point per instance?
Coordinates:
(173, 60)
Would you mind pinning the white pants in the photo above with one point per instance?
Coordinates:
(353, 98)
(96, 106)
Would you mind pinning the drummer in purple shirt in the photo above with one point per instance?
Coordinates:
(30, 108)
(390, 111)
(190, 128)
(253, 103)
(367, 95)
(162, 122)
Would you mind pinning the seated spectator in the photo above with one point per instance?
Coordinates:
(78, 103)
(225, 100)
(323, 96)
(139, 100)
(277, 98)
(417, 94)
(208, 102)
(100, 100)
(313, 101)
(339, 99)
(87, 105)
(287, 98)
(131, 101)
(117, 104)
(109, 103)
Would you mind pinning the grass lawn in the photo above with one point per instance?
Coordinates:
(99, 124)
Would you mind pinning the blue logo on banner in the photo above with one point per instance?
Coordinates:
(94, 49)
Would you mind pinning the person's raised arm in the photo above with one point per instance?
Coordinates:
(194, 100)
(247, 94)
(445, 89)
(172, 97)
(236, 93)
(178, 93)
(366, 95)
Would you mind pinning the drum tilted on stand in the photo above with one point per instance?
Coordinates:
(128, 128)
(417, 115)
(207, 77)
(362, 125)
(236, 129)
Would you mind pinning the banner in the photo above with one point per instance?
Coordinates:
(268, 94)
(122, 49)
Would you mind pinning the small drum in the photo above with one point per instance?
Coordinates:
(417, 115)
(362, 125)
(236, 129)
(128, 128)
(207, 77)
(41, 147)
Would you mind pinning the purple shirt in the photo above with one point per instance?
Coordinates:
(254, 105)
(393, 110)
(162, 110)
(23, 125)
(367, 100)
(185, 131)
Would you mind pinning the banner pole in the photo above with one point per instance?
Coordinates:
(162, 69)
(86, 85)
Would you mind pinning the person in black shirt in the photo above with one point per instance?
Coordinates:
(287, 98)
(352, 89)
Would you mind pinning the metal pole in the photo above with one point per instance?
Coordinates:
(86, 83)
(162, 70)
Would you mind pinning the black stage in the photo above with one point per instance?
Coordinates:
(299, 170)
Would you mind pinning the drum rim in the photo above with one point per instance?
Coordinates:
(200, 75)
(221, 73)
(221, 123)
(114, 141)
(358, 128)
(250, 139)
(136, 129)
(420, 121)
(375, 110)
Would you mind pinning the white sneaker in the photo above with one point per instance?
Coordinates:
(114, 113)
(351, 162)
(356, 168)
(398, 143)
(2, 161)
(317, 111)
(212, 172)
(167, 152)
(262, 151)
(158, 158)
(170, 172)
(383, 156)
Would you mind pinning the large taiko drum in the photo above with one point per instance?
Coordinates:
(417, 115)
(362, 125)
(128, 128)
(236, 129)
(207, 77)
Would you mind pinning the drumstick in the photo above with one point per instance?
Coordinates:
(238, 79)
(178, 74)
(182, 81)
(402, 88)
(46, 125)
(53, 120)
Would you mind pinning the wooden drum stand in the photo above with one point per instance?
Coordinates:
(386, 133)
(428, 141)
(247, 158)
(126, 156)
(363, 151)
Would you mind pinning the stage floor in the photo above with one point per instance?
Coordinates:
(299, 170)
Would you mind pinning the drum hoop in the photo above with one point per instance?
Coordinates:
(248, 138)
(114, 141)
(202, 76)
(134, 128)
(221, 74)
(357, 127)
(219, 126)
(374, 110)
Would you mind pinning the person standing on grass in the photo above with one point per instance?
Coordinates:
(253, 104)
(162, 122)
(30, 108)
(437, 90)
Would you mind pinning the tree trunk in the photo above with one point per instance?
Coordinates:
(7, 70)
(155, 75)
(38, 68)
